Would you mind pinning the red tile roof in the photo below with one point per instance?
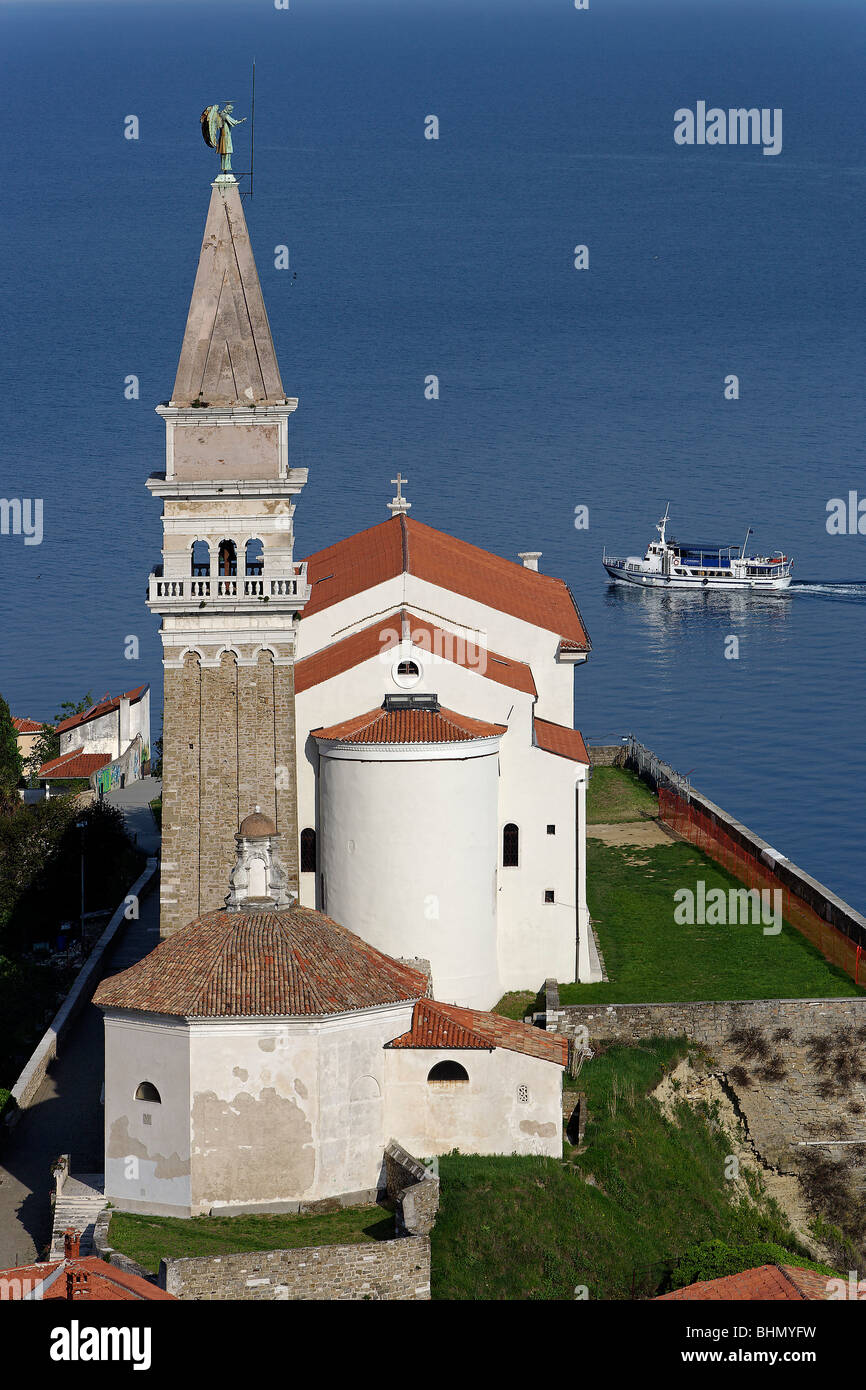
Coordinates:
(405, 546)
(556, 738)
(385, 634)
(103, 707)
(436, 1025)
(86, 1277)
(239, 965)
(410, 726)
(26, 726)
(767, 1283)
(75, 763)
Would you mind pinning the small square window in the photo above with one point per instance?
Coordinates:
(551, 830)
(548, 895)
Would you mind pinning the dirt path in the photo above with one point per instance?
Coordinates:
(632, 832)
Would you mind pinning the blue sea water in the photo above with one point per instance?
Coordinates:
(408, 256)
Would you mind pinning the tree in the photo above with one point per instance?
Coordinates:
(11, 765)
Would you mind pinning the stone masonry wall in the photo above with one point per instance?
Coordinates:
(413, 1189)
(796, 1065)
(380, 1270)
(228, 745)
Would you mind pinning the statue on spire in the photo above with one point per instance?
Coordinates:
(216, 127)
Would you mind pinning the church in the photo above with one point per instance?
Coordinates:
(399, 703)
(373, 818)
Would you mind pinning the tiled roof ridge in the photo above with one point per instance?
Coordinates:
(464, 727)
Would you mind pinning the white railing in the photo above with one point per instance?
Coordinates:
(261, 587)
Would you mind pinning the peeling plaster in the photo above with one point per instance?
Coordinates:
(251, 1150)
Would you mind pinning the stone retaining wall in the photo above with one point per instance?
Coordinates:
(414, 1191)
(607, 755)
(378, 1270)
(793, 1063)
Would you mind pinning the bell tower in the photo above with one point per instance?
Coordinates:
(228, 591)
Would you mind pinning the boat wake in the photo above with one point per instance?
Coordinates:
(852, 592)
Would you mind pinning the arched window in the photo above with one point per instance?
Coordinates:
(308, 851)
(228, 558)
(147, 1091)
(408, 668)
(510, 846)
(447, 1071)
(200, 560)
(255, 557)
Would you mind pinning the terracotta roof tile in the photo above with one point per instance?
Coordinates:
(385, 635)
(557, 738)
(26, 726)
(92, 1279)
(436, 1025)
(768, 1283)
(410, 726)
(271, 964)
(75, 763)
(103, 707)
(405, 546)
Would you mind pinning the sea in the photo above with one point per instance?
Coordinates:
(573, 403)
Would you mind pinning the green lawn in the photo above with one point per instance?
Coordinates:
(617, 794)
(538, 1228)
(649, 956)
(156, 808)
(148, 1239)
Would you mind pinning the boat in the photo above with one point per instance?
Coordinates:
(672, 564)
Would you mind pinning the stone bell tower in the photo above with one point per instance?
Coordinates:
(228, 590)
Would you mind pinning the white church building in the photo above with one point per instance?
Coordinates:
(441, 783)
(263, 1057)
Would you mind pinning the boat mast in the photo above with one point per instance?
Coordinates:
(745, 543)
(660, 526)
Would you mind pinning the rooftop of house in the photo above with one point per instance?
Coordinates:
(402, 545)
(74, 764)
(104, 706)
(26, 726)
(387, 633)
(766, 1283)
(410, 725)
(76, 1277)
(436, 1025)
(289, 963)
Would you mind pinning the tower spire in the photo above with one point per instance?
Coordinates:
(227, 356)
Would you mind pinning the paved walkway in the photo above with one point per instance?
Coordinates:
(67, 1114)
(134, 801)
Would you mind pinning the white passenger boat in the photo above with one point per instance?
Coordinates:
(673, 564)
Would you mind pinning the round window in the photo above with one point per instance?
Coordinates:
(406, 673)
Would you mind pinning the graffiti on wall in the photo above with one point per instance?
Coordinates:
(126, 768)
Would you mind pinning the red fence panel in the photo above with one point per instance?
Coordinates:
(701, 830)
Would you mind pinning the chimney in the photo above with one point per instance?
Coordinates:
(530, 559)
(77, 1284)
(71, 1243)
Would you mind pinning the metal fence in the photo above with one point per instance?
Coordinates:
(696, 826)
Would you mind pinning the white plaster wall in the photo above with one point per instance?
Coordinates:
(147, 1165)
(535, 788)
(365, 686)
(501, 632)
(289, 1110)
(483, 1115)
(96, 736)
(408, 853)
(538, 939)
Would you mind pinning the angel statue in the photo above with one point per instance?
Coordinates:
(216, 127)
